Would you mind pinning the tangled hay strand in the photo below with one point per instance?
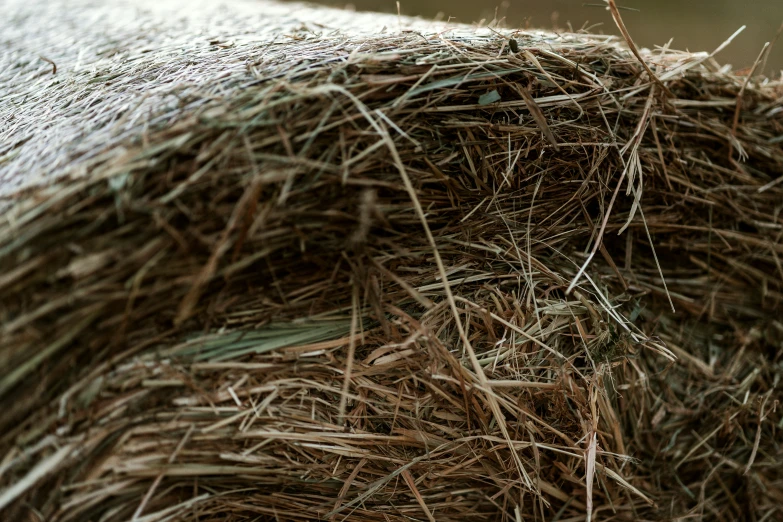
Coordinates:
(408, 275)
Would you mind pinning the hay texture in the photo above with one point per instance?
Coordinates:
(279, 262)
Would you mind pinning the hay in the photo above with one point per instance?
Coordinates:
(255, 268)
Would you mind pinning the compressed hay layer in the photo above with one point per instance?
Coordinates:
(283, 272)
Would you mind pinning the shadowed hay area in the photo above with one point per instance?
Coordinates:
(257, 265)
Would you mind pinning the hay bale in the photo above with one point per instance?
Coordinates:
(258, 266)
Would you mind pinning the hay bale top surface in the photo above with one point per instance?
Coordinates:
(83, 81)
(264, 265)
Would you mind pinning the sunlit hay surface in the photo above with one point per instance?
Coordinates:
(223, 291)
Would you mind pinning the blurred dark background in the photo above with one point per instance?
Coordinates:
(694, 25)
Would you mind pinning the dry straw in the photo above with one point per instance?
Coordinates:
(263, 269)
